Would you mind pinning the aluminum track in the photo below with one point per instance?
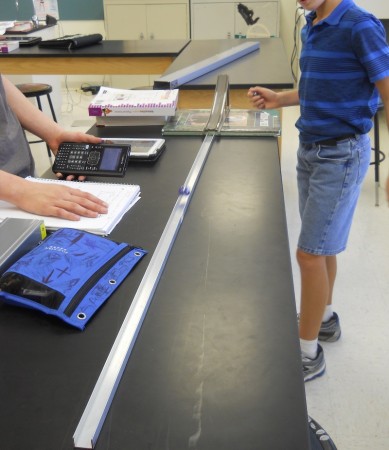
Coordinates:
(93, 417)
(189, 73)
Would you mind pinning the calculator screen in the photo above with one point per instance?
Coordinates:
(111, 158)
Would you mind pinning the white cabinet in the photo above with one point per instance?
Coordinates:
(147, 21)
(221, 19)
(151, 19)
(144, 19)
(212, 21)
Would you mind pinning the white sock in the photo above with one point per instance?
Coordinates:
(327, 313)
(309, 348)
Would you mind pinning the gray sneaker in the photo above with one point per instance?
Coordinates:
(314, 368)
(330, 331)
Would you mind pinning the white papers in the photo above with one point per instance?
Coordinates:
(5, 25)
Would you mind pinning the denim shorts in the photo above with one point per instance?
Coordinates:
(329, 181)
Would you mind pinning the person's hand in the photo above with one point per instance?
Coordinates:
(72, 136)
(56, 200)
(263, 98)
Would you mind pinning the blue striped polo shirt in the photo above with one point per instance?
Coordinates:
(342, 57)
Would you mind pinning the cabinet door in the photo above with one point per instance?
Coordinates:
(126, 22)
(212, 21)
(167, 21)
(267, 13)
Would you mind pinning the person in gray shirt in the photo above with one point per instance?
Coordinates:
(17, 114)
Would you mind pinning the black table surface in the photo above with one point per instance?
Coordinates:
(109, 48)
(216, 364)
(268, 67)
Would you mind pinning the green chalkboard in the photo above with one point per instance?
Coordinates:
(12, 10)
(68, 9)
(81, 10)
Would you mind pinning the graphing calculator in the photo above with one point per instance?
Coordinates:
(92, 159)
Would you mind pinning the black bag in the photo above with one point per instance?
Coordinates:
(72, 41)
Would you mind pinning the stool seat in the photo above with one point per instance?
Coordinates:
(34, 89)
(37, 90)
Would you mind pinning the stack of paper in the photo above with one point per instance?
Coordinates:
(5, 25)
(133, 107)
(23, 26)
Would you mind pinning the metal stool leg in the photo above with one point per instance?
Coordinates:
(51, 108)
(55, 119)
(52, 112)
(376, 158)
(37, 90)
(379, 156)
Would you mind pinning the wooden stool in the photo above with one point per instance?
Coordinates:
(37, 90)
(379, 156)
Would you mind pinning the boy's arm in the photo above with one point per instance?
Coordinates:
(263, 98)
(383, 88)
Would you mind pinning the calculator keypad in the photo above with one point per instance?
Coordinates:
(75, 157)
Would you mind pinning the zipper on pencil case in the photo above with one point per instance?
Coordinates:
(91, 282)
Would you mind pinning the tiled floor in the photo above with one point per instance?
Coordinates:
(351, 401)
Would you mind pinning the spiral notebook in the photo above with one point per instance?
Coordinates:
(120, 198)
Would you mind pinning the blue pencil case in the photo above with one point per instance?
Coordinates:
(69, 275)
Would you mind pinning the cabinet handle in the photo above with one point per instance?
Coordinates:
(152, 36)
(229, 35)
(141, 36)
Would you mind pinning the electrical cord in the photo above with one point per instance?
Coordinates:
(70, 102)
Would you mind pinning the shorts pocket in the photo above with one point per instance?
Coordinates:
(340, 153)
(363, 163)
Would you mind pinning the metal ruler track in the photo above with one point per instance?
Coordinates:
(182, 76)
(92, 420)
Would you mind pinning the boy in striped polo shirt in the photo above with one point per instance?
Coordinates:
(344, 68)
